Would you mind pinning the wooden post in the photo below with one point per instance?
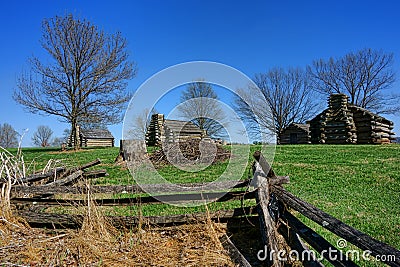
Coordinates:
(263, 175)
(131, 150)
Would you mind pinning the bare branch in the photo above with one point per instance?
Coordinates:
(42, 136)
(8, 136)
(199, 104)
(287, 95)
(86, 79)
(363, 76)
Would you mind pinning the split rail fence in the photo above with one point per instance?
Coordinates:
(273, 211)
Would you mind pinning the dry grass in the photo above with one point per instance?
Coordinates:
(98, 243)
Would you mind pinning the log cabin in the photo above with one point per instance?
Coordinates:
(96, 138)
(344, 123)
(296, 133)
(163, 130)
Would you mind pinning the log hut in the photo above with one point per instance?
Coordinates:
(161, 130)
(96, 138)
(344, 123)
(296, 133)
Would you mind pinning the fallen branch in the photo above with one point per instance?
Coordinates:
(70, 179)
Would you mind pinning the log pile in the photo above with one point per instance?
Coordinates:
(191, 151)
(64, 176)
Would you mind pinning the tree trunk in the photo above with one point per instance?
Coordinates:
(75, 135)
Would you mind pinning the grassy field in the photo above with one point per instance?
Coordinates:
(358, 184)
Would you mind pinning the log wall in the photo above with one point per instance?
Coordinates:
(106, 142)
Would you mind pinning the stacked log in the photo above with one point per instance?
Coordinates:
(339, 125)
(155, 130)
(180, 131)
(334, 125)
(372, 128)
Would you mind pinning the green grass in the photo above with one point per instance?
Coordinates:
(358, 184)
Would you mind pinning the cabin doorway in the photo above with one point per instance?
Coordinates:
(293, 138)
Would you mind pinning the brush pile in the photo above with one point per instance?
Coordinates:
(190, 152)
(62, 176)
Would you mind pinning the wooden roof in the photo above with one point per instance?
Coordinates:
(366, 112)
(182, 126)
(97, 134)
(304, 127)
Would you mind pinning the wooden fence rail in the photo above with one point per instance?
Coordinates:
(155, 199)
(117, 189)
(56, 220)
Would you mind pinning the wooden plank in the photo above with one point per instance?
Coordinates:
(266, 168)
(268, 227)
(95, 174)
(89, 164)
(354, 236)
(264, 164)
(264, 177)
(39, 219)
(117, 189)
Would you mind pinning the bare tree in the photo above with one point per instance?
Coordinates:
(288, 100)
(199, 104)
(86, 79)
(42, 136)
(140, 124)
(66, 135)
(8, 136)
(57, 141)
(363, 76)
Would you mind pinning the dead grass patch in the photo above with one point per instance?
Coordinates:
(188, 245)
(98, 243)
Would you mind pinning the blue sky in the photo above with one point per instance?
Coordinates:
(249, 36)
